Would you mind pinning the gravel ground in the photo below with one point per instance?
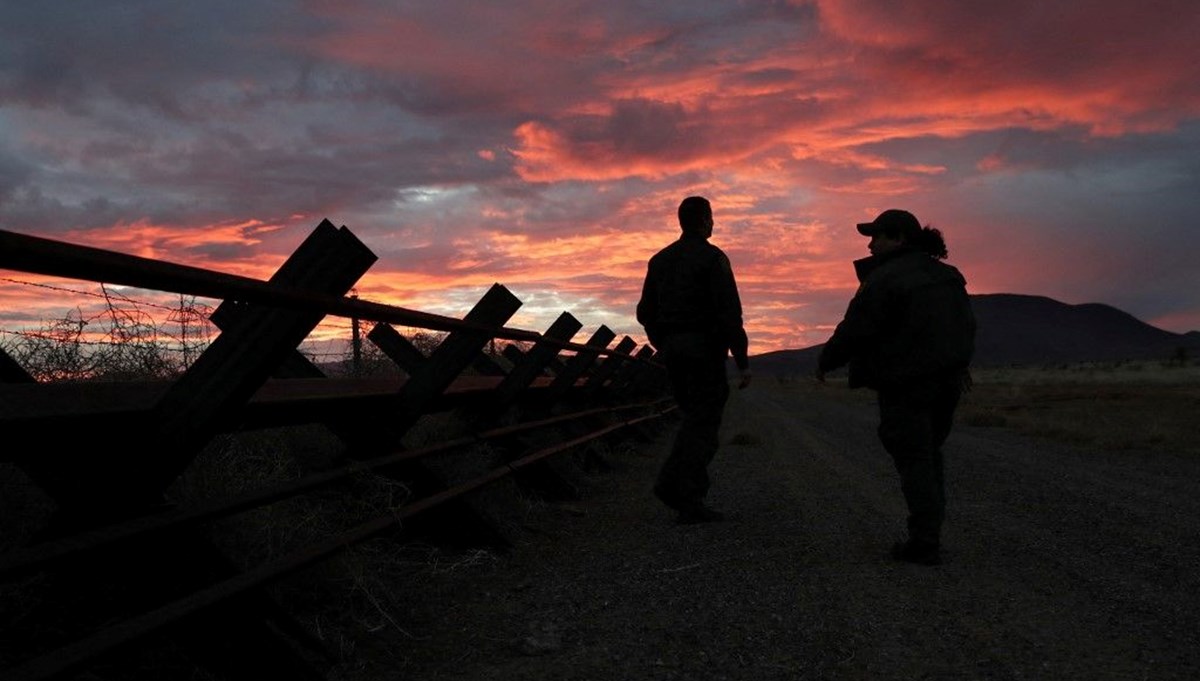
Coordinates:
(1060, 564)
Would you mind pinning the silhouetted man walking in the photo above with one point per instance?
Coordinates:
(693, 316)
(909, 333)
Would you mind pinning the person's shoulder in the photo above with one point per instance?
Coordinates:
(712, 249)
(924, 270)
(900, 270)
(719, 259)
(695, 248)
(665, 251)
(948, 271)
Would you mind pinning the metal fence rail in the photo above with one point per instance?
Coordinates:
(111, 497)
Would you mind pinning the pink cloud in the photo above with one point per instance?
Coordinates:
(881, 71)
(189, 245)
(546, 145)
(1112, 66)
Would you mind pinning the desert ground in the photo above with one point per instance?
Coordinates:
(1071, 552)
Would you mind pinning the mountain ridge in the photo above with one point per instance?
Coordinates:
(1021, 329)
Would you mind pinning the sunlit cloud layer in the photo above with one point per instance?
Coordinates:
(546, 145)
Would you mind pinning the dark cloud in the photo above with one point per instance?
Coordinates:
(141, 52)
(445, 133)
(15, 173)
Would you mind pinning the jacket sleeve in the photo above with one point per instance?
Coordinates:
(729, 312)
(647, 307)
(859, 327)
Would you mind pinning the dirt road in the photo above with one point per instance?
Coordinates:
(1060, 564)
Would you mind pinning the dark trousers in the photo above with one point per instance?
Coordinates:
(914, 422)
(700, 387)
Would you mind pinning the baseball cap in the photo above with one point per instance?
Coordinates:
(894, 220)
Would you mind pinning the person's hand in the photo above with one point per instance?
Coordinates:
(744, 380)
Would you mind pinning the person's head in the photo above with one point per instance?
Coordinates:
(695, 216)
(895, 228)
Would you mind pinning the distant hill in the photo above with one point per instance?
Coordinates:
(1032, 330)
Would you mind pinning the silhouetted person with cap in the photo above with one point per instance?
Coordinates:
(909, 333)
(693, 317)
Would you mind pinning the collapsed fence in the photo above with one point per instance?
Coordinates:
(114, 527)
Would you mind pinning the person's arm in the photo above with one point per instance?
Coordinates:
(729, 317)
(647, 307)
(858, 329)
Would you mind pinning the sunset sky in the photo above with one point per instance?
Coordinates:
(545, 145)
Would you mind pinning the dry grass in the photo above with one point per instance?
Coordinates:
(1119, 407)
(1144, 406)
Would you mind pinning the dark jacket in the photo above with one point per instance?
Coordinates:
(911, 318)
(689, 288)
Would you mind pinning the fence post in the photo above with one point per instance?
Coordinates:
(606, 368)
(451, 357)
(575, 367)
(531, 364)
(397, 348)
(425, 384)
(629, 372)
(239, 361)
(485, 365)
(260, 637)
(255, 638)
(239, 639)
(11, 371)
(528, 366)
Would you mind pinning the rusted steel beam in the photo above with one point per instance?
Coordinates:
(226, 375)
(129, 470)
(422, 389)
(575, 367)
(324, 264)
(452, 355)
(22, 562)
(605, 370)
(223, 386)
(25, 253)
(38, 255)
(397, 348)
(485, 365)
(254, 341)
(77, 656)
(531, 364)
(332, 246)
(11, 371)
(33, 409)
(649, 378)
(628, 372)
(554, 367)
(513, 354)
(541, 454)
(293, 365)
(410, 359)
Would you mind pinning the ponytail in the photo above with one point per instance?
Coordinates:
(930, 241)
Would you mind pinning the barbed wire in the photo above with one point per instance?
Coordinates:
(66, 348)
(91, 343)
(179, 313)
(89, 294)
